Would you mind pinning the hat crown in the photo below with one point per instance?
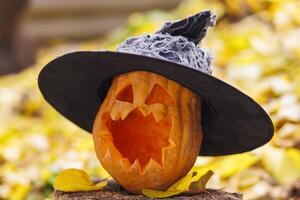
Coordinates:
(176, 42)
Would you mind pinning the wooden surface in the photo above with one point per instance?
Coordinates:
(114, 191)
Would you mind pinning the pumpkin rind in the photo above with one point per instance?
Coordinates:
(178, 154)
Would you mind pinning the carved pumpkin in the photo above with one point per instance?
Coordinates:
(147, 132)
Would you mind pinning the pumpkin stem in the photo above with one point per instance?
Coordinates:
(194, 28)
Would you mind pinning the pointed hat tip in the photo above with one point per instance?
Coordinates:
(194, 28)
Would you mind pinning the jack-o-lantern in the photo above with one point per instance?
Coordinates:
(147, 127)
(147, 132)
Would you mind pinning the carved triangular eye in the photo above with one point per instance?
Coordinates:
(159, 95)
(126, 94)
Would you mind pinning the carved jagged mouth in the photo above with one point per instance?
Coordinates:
(140, 138)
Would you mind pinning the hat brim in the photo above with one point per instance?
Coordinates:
(75, 85)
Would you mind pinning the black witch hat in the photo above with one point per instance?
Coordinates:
(76, 84)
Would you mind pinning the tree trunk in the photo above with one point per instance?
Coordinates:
(14, 53)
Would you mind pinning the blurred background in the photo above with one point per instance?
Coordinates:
(256, 48)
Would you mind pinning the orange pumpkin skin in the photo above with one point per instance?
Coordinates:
(147, 132)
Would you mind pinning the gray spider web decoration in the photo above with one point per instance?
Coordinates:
(176, 42)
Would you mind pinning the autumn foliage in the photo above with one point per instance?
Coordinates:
(256, 47)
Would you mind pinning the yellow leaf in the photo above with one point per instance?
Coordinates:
(231, 165)
(19, 192)
(194, 181)
(199, 185)
(283, 164)
(71, 180)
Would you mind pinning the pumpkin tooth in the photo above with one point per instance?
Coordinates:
(111, 153)
(125, 112)
(119, 109)
(125, 164)
(115, 115)
(158, 116)
(144, 110)
(159, 111)
(104, 142)
(135, 167)
(151, 166)
(107, 155)
(168, 152)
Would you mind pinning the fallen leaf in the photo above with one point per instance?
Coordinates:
(71, 180)
(194, 182)
(199, 185)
